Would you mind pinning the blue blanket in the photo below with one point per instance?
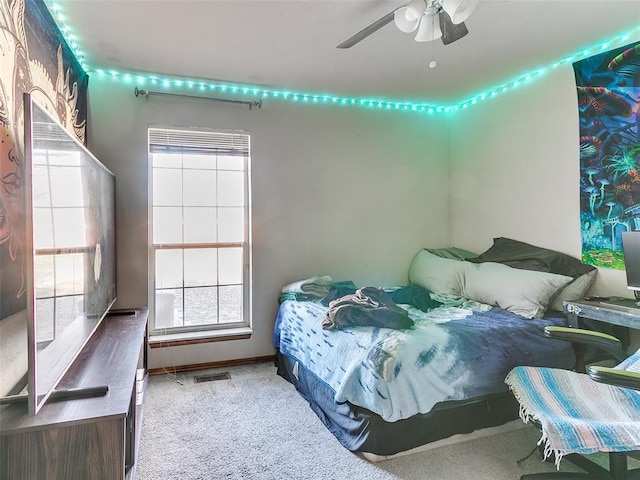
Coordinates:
(451, 353)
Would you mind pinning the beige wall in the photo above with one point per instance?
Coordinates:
(337, 191)
(355, 193)
(515, 172)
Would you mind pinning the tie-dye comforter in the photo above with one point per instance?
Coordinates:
(451, 353)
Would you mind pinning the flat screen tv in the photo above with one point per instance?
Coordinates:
(71, 272)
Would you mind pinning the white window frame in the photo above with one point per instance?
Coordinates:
(191, 140)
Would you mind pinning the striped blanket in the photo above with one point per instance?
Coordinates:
(577, 414)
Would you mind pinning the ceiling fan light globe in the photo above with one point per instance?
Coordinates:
(411, 15)
(403, 23)
(429, 29)
(415, 10)
(459, 10)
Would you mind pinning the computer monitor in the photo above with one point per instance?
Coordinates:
(631, 251)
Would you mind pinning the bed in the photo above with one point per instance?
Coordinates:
(390, 369)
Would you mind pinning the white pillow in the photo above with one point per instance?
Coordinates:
(442, 276)
(576, 290)
(524, 292)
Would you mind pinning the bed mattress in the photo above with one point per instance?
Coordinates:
(385, 390)
(360, 430)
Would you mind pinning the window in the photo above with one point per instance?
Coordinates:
(199, 230)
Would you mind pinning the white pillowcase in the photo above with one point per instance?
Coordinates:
(576, 290)
(442, 276)
(524, 292)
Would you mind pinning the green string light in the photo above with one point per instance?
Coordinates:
(313, 98)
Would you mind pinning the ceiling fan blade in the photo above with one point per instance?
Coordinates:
(450, 31)
(368, 30)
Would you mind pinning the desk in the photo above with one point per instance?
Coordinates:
(602, 311)
(618, 316)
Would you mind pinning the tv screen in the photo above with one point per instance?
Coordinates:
(71, 274)
(631, 251)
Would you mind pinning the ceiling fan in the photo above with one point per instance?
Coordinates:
(433, 19)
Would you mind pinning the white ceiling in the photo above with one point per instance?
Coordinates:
(292, 44)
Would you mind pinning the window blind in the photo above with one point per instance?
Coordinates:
(164, 140)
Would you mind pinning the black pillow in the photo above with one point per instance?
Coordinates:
(522, 255)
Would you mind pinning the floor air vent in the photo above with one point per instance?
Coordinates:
(211, 377)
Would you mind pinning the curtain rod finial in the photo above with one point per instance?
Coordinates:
(141, 92)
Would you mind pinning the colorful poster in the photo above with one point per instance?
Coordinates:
(608, 88)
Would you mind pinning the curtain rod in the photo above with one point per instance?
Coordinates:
(250, 104)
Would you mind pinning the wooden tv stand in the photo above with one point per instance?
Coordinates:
(89, 438)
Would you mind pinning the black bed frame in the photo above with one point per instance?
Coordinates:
(361, 430)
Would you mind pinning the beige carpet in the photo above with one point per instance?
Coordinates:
(255, 426)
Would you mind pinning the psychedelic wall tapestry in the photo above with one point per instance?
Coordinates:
(608, 87)
(33, 58)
